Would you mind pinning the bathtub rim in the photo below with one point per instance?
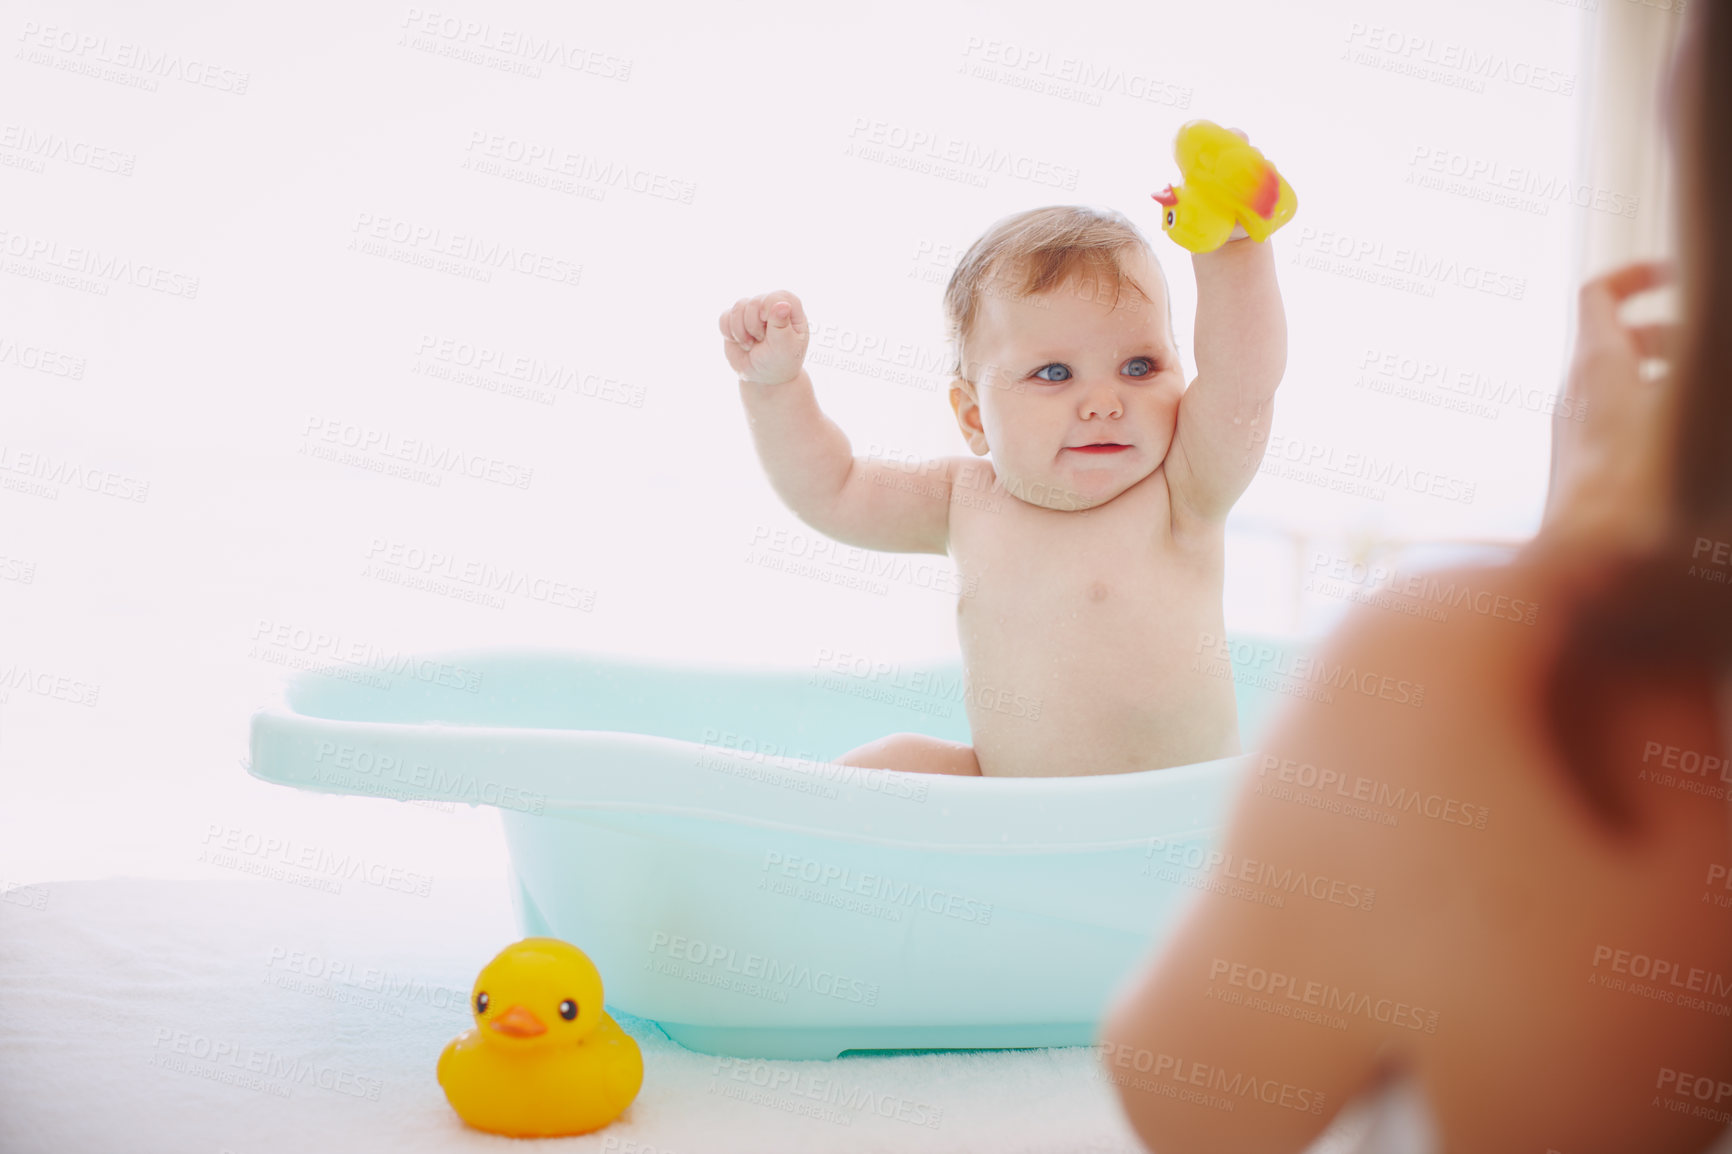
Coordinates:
(276, 730)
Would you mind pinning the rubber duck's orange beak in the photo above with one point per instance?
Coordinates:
(1166, 196)
(518, 1022)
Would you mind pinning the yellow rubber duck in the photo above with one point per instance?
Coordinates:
(544, 1058)
(1226, 182)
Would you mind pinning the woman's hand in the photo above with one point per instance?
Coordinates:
(1609, 433)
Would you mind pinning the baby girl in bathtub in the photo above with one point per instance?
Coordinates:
(1088, 528)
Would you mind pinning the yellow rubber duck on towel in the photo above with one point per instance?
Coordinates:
(544, 1059)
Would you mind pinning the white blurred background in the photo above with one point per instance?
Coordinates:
(235, 238)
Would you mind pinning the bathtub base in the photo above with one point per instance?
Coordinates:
(747, 1042)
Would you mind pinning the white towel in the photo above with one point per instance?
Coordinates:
(220, 1017)
(251, 1017)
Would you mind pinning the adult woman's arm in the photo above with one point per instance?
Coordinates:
(1250, 1032)
(1414, 882)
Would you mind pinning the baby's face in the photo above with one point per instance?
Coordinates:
(1068, 369)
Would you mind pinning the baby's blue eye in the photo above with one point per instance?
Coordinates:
(1142, 361)
(1051, 380)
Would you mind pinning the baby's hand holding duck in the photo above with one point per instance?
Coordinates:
(1228, 185)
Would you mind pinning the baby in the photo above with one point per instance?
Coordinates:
(1090, 540)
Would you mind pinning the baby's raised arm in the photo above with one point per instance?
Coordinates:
(858, 501)
(1241, 339)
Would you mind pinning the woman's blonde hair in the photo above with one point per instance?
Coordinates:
(1033, 252)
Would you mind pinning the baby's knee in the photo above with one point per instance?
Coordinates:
(922, 753)
(895, 745)
(913, 753)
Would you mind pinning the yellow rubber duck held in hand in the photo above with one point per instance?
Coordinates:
(544, 1058)
(1226, 182)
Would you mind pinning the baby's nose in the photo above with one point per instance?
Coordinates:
(1102, 400)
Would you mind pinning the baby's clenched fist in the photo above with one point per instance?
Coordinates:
(766, 337)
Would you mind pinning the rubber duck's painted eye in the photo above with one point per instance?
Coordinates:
(568, 1009)
(1172, 217)
(481, 1001)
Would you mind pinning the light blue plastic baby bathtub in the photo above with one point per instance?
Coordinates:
(679, 823)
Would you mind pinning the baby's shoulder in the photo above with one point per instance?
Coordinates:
(971, 479)
(976, 471)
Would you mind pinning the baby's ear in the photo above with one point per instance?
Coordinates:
(967, 409)
(962, 396)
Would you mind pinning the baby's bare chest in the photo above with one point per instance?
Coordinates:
(1077, 631)
(1105, 580)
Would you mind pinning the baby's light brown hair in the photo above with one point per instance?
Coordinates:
(1033, 252)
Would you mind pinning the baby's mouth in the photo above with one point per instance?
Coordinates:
(1101, 447)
